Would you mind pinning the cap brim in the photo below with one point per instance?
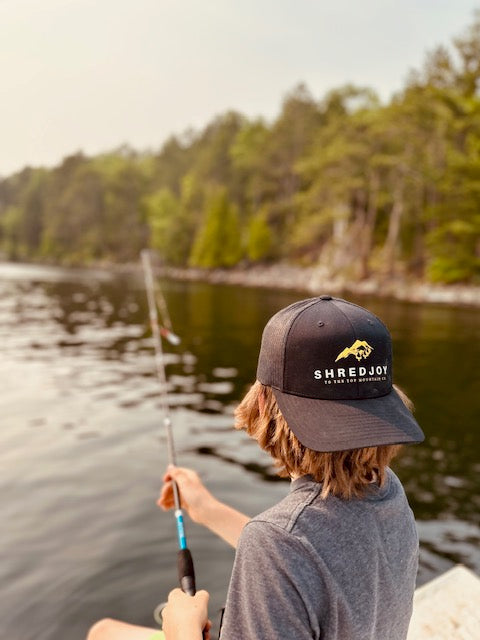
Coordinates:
(339, 425)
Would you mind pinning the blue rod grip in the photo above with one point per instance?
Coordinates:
(182, 538)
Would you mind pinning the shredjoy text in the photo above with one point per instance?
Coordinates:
(350, 372)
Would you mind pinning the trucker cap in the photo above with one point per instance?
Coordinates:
(329, 363)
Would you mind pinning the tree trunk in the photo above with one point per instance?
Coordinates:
(369, 225)
(390, 248)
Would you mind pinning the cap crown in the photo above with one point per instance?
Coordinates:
(326, 348)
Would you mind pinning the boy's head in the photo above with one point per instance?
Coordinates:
(325, 370)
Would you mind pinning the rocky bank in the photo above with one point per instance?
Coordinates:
(314, 281)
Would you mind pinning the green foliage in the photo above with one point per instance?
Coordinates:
(455, 251)
(344, 181)
(218, 241)
(10, 229)
(260, 238)
(171, 221)
(22, 223)
(162, 210)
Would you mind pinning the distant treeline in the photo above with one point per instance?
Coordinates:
(346, 182)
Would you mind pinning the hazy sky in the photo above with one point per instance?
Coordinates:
(93, 74)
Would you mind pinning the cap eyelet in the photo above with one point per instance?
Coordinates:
(321, 324)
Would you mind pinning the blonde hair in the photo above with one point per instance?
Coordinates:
(345, 474)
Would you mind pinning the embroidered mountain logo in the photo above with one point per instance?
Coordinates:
(360, 349)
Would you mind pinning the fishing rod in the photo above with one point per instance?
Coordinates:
(186, 573)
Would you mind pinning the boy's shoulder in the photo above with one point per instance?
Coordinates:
(304, 503)
(285, 513)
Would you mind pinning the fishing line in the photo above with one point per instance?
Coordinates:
(166, 331)
(186, 573)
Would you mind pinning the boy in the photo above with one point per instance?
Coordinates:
(337, 558)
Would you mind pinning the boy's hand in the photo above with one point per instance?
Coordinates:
(186, 616)
(201, 505)
(194, 497)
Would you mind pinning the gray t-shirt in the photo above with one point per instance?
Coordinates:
(332, 569)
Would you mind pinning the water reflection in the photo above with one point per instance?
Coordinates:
(83, 450)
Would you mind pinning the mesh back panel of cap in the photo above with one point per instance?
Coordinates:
(271, 359)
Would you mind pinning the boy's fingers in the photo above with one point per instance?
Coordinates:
(165, 500)
(180, 472)
(174, 594)
(203, 595)
(170, 472)
(166, 489)
(163, 504)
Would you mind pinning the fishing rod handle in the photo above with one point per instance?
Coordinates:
(186, 577)
(186, 572)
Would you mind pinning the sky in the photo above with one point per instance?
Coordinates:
(92, 75)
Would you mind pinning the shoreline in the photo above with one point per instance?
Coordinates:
(311, 280)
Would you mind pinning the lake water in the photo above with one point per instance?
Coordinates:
(82, 448)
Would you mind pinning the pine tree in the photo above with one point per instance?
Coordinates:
(218, 241)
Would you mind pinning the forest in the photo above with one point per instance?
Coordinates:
(360, 187)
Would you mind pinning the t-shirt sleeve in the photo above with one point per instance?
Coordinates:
(269, 594)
